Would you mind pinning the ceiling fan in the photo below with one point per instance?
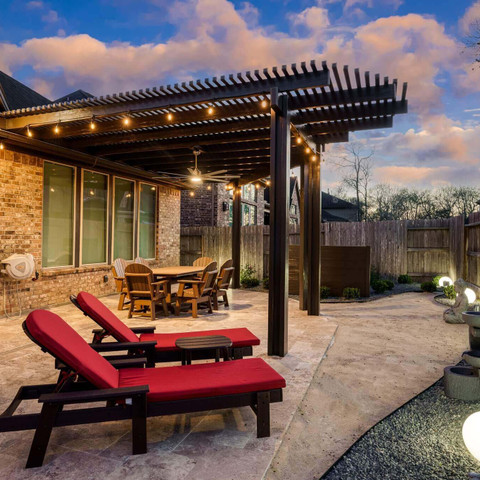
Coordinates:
(196, 176)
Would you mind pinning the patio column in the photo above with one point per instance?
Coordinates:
(279, 208)
(304, 263)
(314, 234)
(236, 233)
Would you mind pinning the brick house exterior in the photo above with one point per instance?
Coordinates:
(211, 206)
(21, 207)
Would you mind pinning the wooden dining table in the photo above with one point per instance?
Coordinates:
(173, 274)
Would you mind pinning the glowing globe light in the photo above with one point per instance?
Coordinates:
(470, 295)
(470, 430)
(444, 281)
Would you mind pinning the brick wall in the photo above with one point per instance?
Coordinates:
(21, 192)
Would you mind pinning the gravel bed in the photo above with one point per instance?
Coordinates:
(422, 440)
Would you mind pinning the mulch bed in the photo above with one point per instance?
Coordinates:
(422, 440)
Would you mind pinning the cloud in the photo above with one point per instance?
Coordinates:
(34, 4)
(472, 15)
(50, 17)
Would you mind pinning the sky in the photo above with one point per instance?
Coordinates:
(110, 46)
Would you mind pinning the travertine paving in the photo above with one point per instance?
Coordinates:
(219, 444)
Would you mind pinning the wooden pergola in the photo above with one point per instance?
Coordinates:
(254, 125)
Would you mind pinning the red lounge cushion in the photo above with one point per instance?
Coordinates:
(204, 379)
(59, 338)
(96, 310)
(241, 337)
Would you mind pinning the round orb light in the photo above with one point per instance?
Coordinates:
(470, 430)
(445, 281)
(470, 295)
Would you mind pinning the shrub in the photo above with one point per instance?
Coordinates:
(379, 286)
(436, 280)
(266, 282)
(428, 286)
(247, 277)
(389, 283)
(324, 292)
(404, 279)
(374, 275)
(449, 291)
(351, 292)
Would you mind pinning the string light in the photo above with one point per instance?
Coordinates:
(92, 193)
(192, 194)
(169, 117)
(29, 133)
(257, 186)
(1, 146)
(268, 182)
(264, 104)
(299, 140)
(210, 110)
(209, 187)
(92, 124)
(308, 150)
(314, 158)
(153, 189)
(126, 121)
(57, 129)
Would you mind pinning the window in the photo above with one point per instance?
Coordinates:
(58, 211)
(249, 214)
(124, 202)
(249, 192)
(293, 209)
(94, 217)
(148, 201)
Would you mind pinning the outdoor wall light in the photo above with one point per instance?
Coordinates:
(471, 296)
(445, 281)
(470, 430)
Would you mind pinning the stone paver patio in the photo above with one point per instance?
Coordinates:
(220, 444)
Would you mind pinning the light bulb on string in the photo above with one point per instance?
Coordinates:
(210, 110)
(264, 104)
(93, 126)
(299, 140)
(169, 117)
(126, 121)
(29, 132)
(56, 129)
(2, 147)
(308, 150)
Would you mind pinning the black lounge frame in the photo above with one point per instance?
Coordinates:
(147, 349)
(72, 389)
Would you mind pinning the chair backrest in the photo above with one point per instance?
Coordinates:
(120, 264)
(226, 273)
(209, 277)
(101, 314)
(139, 278)
(142, 261)
(48, 330)
(202, 262)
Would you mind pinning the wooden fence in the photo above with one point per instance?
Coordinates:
(421, 248)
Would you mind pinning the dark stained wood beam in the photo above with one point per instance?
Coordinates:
(279, 222)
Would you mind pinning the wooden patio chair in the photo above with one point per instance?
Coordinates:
(163, 347)
(142, 261)
(118, 270)
(128, 391)
(197, 292)
(143, 292)
(223, 283)
(202, 261)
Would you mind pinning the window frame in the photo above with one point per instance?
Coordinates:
(140, 183)
(135, 216)
(80, 220)
(74, 212)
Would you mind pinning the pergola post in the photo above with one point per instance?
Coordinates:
(304, 263)
(236, 233)
(314, 233)
(279, 208)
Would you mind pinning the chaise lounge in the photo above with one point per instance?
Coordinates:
(164, 348)
(131, 393)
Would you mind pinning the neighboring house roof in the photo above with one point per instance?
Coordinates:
(331, 202)
(14, 94)
(329, 217)
(76, 95)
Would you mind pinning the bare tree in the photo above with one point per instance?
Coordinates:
(472, 40)
(356, 161)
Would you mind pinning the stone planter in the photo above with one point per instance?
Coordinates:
(472, 319)
(462, 383)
